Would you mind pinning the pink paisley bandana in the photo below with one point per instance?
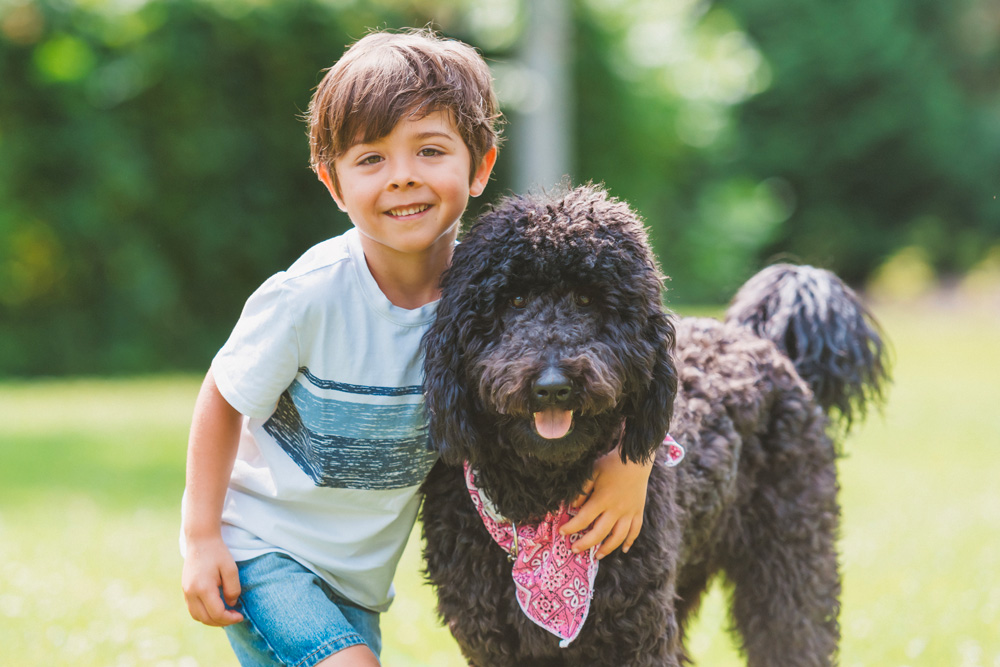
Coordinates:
(553, 585)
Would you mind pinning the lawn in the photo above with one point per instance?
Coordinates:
(91, 473)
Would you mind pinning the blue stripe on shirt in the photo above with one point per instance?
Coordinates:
(411, 390)
(370, 447)
(327, 416)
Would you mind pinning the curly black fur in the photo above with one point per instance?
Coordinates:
(819, 323)
(566, 287)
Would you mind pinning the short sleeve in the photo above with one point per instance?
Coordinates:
(261, 357)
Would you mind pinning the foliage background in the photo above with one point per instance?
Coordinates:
(153, 163)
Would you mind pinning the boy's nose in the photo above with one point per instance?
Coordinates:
(403, 175)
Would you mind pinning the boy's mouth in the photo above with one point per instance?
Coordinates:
(408, 210)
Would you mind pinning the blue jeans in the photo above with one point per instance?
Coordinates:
(292, 617)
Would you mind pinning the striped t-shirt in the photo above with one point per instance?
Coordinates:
(328, 373)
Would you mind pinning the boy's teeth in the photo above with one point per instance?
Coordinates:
(409, 210)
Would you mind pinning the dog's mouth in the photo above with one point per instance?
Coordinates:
(553, 423)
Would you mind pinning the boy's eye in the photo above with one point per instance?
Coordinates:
(429, 152)
(370, 159)
(519, 301)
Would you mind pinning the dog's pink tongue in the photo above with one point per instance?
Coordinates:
(553, 423)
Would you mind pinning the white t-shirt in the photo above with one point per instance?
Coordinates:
(329, 375)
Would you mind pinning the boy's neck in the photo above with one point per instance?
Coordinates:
(408, 280)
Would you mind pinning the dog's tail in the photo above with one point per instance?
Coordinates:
(821, 325)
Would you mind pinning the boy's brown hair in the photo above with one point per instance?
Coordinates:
(386, 76)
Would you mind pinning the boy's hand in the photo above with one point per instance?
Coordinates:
(208, 566)
(613, 501)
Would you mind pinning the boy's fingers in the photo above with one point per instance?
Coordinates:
(579, 522)
(219, 615)
(586, 542)
(633, 533)
(231, 617)
(215, 608)
(614, 540)
(231, 590)
(584, 494)
(594, 536)
(197, 610)
(206, 610)
(230, 584)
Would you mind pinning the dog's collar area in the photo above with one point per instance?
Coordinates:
(514, 548)
(553, 585)
(675, 452)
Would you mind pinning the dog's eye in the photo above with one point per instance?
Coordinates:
(519, 301)
(583, 300)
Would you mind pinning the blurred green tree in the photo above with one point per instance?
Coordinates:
(153, 170)
(830, 133)
(883, 117)
(153, 165)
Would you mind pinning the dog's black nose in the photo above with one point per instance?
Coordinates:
(552, 387)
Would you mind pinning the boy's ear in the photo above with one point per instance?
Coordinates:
(483, 171)
(327, 178)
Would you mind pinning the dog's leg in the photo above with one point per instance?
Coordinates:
(634, 619)
(471, 574)
(786, 585)
(641, 632)
(689, 597)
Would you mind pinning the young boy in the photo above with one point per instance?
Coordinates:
(306, 451)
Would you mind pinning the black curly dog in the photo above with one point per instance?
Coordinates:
(558, 300)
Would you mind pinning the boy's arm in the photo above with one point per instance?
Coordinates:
(617, 497)
(208, 565)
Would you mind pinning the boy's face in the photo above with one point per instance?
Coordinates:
(406, 192)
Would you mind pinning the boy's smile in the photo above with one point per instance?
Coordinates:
(409, 211)
(406, 192)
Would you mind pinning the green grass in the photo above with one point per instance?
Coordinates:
(91, 474)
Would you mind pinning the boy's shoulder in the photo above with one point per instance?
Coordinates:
(324, 269)
(323, 256)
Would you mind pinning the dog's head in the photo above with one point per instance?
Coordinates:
(551, 339)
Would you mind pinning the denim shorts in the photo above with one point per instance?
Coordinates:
(292, 617)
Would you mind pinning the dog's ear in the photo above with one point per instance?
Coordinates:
(447, 399)
(461, 325)
(648, 409)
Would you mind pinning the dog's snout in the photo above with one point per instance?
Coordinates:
(552, 387)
